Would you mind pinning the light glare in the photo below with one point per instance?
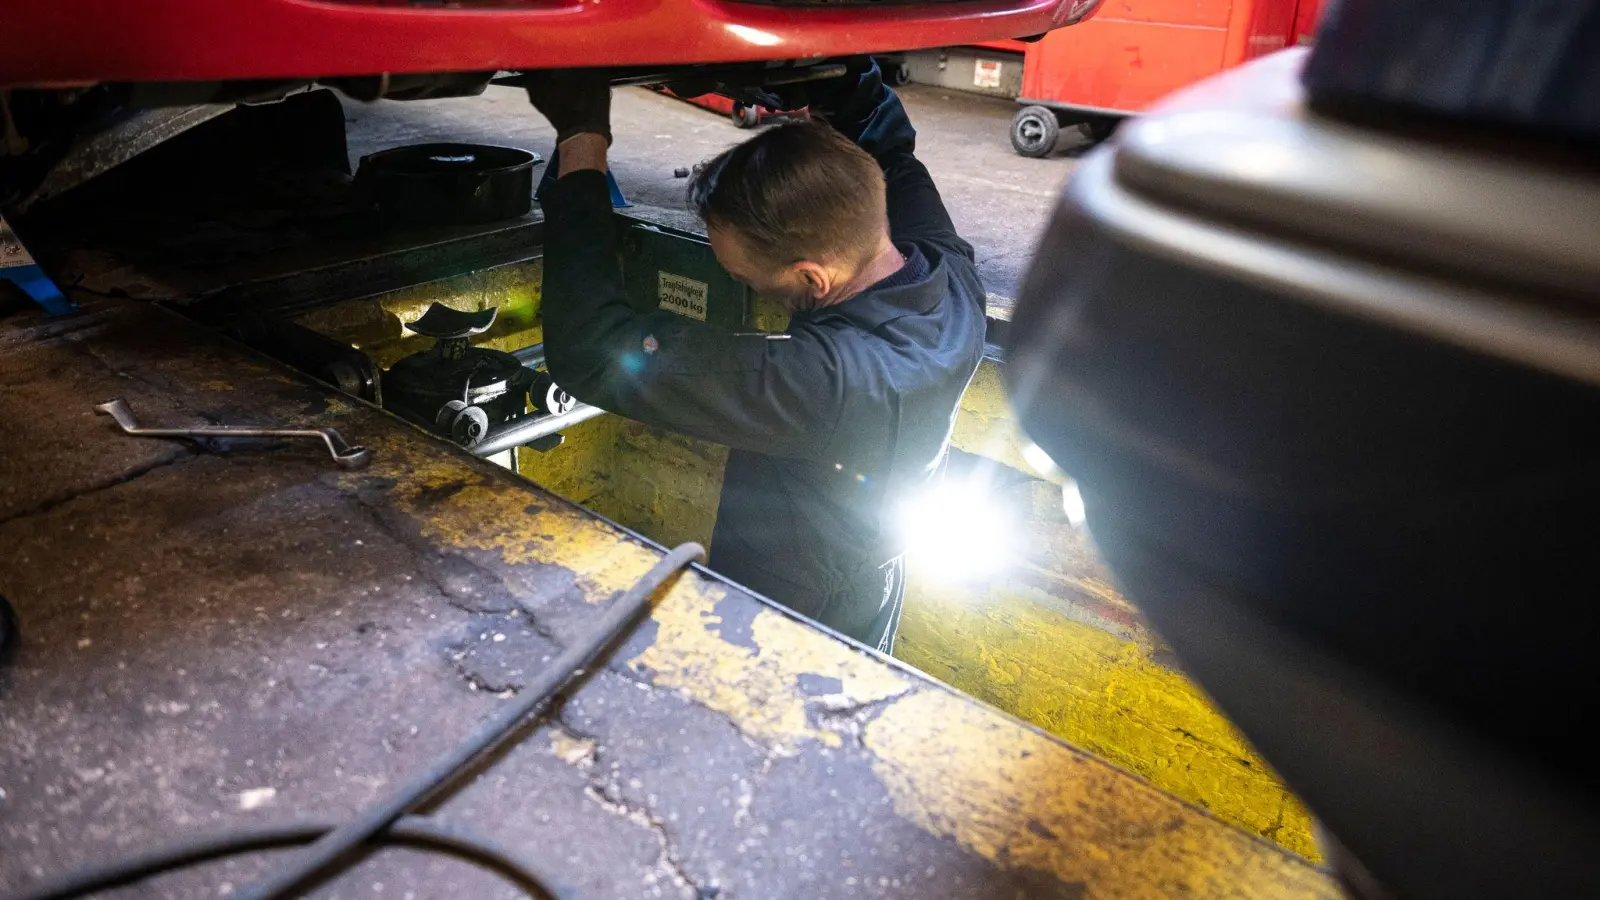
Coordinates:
(955, 531)
(1072, 504)
(1034, 455)
(755, 35)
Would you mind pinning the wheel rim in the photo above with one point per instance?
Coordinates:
(1031, 131)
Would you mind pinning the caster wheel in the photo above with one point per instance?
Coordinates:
(465, 424)
(746, 116)
(1034, 130)
(558, 402)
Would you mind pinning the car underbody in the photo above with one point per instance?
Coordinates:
(56, 138)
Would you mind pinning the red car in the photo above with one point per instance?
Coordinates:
(71, 67)
(58, 43)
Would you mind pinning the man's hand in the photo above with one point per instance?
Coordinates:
(827, 96)
(576, 101)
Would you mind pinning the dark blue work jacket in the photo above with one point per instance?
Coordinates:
(830, 429)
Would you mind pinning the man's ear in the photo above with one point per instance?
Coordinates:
(819, 281)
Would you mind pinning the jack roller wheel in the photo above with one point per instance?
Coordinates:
(469, 426)
(1033, 131)
(745, 116)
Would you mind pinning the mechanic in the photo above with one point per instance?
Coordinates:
(833, 423)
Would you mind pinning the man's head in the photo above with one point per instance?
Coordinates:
(795, 213)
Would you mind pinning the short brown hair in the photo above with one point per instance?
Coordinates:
(800, 191)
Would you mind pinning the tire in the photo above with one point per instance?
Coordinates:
(895, 71)
(1034, 130)
(745, 116)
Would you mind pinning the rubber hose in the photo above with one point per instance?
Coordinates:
(412, 831)
(333, 847)
(385, 821)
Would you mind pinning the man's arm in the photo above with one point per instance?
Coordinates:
(868, 112)
(781, 397)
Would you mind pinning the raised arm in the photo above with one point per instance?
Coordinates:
(868, 112)
(780, 397)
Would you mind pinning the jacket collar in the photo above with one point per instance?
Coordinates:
(876, 306)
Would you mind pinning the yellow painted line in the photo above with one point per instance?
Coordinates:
(756, 682)
(1033, 805)
(1104, 693)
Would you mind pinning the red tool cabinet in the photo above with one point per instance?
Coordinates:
(1133, 52)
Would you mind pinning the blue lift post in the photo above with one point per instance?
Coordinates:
(18, 267)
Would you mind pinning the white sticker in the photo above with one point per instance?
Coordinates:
(684, 296)
(12, 253)
(986, 73)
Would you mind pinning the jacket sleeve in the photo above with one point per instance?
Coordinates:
(871, 114)
(780, 397)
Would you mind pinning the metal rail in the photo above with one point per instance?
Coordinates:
(531, 356)
(527, 430)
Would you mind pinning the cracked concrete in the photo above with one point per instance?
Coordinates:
(849, 718)
(498, 653)
(320, 670)
(121, 478)
(668, 862)
(587, 754)
(249, 636)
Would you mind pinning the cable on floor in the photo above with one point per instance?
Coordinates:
(337, 848)
(417, 832)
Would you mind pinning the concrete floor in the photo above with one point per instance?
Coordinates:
(238, 633)
(999, 200)
(1016, 653)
